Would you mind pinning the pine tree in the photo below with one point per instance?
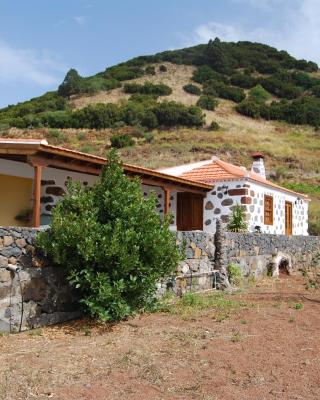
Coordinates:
(71, 84)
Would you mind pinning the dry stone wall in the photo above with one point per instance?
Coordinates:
(34, 295)
(257, 254)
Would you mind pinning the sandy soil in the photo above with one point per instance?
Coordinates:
(267, 350)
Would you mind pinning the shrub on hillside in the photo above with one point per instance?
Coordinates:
(214, 126)
(258, 94)
(148, 88)
(316, 91)
(281, 88)
(112, 243)
(163, 68)
(249, 108)
(97, 116)
(192, 89)
(120, 141)
(244, 81)
(124, 72)
(150, 70)
(207, 102)
(174, 114)
(224, 91)
(204, 73)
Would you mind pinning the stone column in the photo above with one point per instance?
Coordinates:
(220, 260)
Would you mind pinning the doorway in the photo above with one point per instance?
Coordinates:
(189, 212)
(288, 218)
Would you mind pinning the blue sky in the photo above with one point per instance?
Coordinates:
(41, 39)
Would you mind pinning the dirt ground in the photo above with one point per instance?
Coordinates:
(266, 346)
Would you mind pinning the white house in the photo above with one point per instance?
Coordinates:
(269, 208)
(33, 176)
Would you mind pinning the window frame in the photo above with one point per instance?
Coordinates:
(268, 213)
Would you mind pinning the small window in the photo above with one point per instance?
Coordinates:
(268, 210)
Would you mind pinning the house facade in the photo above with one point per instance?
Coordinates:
(34, 174)
(269, 208)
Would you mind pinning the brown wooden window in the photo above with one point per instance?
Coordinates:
(268, 210)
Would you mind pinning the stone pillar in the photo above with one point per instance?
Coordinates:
(220, 260)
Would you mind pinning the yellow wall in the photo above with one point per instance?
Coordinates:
(15, 197)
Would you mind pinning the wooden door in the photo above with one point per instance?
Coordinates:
(189, 212)
(288, 218)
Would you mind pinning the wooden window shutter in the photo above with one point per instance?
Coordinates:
(268, 210)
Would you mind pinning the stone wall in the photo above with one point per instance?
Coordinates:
(197, 271)
(38, 294)
(257, 254)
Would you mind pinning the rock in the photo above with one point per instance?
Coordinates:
(55, 190)
(7, 241)
(227, 202)
(3, 261)
(209, 205)
(197, 252)
(21, 243)
(5, 276)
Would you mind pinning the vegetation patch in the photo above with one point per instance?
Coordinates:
(112, 242)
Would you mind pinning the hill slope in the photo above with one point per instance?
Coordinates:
(293, 151)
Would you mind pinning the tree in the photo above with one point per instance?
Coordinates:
(237, 221)
(112, 242)
(71, 84)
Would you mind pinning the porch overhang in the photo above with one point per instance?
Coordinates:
(39, 154)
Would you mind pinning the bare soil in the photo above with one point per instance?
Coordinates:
(268, 348)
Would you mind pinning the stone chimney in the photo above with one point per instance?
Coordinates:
(258, 164)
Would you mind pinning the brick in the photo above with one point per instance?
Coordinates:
(246, 200)
(237, 192)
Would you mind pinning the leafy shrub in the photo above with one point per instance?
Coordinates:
(258, 94)
(112, 242)
(148, 137)
(163, 68)
(249, 108)
(150, 70)
(214, 126)
(234, 274)
(204, 73)
(120, 141)
(244, 81)
(148, 88)
(192, 89)
(124, 72)
(219, 89)
(207, 102)
(97, 116)
(316, 91)
(56, 119)
(173, 114)
(281, 88)
(237, 222)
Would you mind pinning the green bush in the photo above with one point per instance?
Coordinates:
(148, 88)
(112, 243)
(237, 222)
(234, 274)
(120, 141)
(207, 102)
(244, 81)
(249, 108)
(124, 72)
(150, 70)
(174, 114)
(163, 68)
(97, 116)
(258, 94)
(214, 126)
(192, 89)
(204, 73)
(316, 91)
(224, 91)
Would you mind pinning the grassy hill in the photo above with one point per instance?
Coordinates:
(158, 134)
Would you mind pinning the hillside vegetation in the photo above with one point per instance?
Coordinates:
(225, 99)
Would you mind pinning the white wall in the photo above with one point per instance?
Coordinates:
(222, 204)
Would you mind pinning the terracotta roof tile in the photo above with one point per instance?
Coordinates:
(220, 170)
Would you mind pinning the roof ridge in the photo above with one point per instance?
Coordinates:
(231, 168)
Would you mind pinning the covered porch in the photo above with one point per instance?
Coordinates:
(33, 177)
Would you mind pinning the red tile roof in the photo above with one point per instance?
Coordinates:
(220, 170)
